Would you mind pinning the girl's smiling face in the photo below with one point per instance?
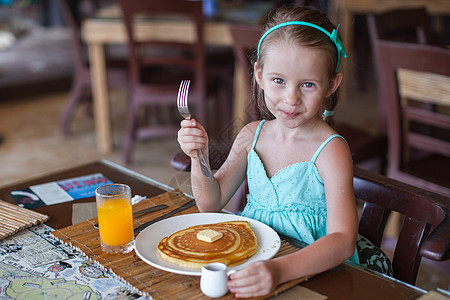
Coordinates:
(295, 82)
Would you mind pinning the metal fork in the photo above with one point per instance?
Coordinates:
(182, 104)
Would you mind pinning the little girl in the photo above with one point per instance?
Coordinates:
(299, 170)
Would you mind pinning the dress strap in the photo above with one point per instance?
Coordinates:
(313, 160)
(258, 129)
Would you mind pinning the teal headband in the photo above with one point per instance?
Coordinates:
(333, 36)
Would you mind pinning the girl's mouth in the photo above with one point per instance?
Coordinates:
(290, 115)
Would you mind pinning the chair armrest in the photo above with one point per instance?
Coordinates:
(437, 245)
(217, 156)
(181, 162)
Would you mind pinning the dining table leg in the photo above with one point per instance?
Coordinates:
(100, 98)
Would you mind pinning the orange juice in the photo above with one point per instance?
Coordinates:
(115, 221)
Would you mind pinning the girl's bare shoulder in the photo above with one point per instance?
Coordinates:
(336, 147)
(335, 156)
(249, 130)
(246, 135)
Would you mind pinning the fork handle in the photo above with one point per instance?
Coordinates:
(204, 165)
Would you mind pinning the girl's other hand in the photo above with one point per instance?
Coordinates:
(191, 137)
(257, 279)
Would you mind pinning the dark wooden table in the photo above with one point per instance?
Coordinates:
(61, 214)
(343, 282)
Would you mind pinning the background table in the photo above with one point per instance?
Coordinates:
(100, 32)
(61, 214)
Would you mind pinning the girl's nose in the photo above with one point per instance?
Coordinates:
(292, 97)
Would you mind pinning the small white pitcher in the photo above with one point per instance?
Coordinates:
(214, 280)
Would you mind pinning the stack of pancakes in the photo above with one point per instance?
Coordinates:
(237, 244)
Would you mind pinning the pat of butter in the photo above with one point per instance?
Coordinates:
(209, 235)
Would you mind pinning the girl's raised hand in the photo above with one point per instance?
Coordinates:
(257, 279)
(192, 136)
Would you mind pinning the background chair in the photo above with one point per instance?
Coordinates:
(425, 231)
(419, 138)
(117, 69)
(412, 25)
(157, 68)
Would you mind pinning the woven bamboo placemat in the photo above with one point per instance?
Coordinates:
(14, 218)
(145, 279)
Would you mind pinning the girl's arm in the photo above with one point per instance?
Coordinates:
(336, 169)
(212, 194)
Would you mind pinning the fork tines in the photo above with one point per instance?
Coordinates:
(183, 96)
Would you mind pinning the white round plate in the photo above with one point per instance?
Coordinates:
(147, 241)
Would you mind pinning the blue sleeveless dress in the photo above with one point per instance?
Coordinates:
(292, 201)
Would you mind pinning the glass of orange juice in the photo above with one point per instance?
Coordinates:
(115, 218)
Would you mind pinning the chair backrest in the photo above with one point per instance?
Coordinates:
(426, 226)
(73, 20)
(245, 40)
(190, 54)
(401, 25)
(406, 69)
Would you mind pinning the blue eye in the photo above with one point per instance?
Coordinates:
(308, 84)
(278, 81)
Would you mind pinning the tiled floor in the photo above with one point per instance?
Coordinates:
(33, 144)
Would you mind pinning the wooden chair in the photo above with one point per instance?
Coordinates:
(425, 231)
(413, 77)
(411, 25)
(117, 69)
(157, 68)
